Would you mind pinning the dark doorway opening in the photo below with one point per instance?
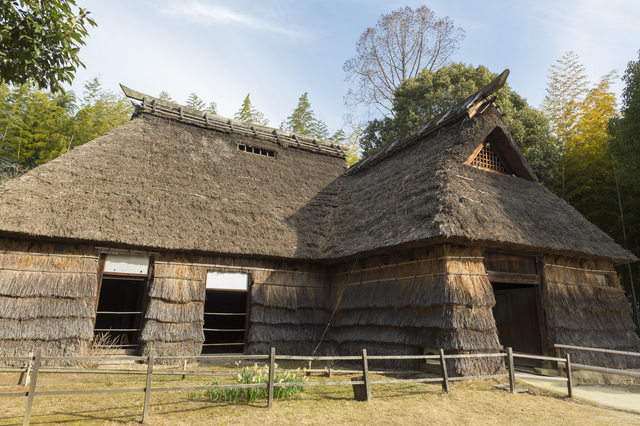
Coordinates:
(517, 321)
(120, 307)
(225, 321)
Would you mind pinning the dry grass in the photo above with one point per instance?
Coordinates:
(469, 402)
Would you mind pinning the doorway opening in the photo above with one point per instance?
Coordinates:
(122, 281)
(119, 313)
(517, 320)
(225, 313)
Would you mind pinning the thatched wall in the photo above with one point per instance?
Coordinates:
(175, 310)
(47, 296)
(289, 311)
(409, 301)
(287, 304)
(582, 309)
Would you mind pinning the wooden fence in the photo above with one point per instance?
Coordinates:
(605, 370)
(361, 385)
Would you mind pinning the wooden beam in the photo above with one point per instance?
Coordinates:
(512, 278)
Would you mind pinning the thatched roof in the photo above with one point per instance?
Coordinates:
(158, 182)
(179, 179)
(419, 189)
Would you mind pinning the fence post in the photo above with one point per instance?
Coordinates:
(184, 368)
(559, 355)
(32, 387)
(24, 376)
(272, 375)
(147, 389)
(445, 375)
(512, 373)
(365, 375)
(569, 380)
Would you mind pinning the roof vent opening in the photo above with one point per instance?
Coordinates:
(487, 157)
(255, 150)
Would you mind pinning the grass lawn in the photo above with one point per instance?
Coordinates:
(474, 402)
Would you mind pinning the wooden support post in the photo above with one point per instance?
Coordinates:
(512, 373)
(147, 389)
(272, 375)
(32, 387)
(445, 375)
(365, 374)
(569, 380)
(184, 368)
(25, 375)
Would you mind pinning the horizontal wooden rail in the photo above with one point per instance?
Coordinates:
(538, 357)
(602, 350)
(606, 370)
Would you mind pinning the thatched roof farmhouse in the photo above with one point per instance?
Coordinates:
(188, 232)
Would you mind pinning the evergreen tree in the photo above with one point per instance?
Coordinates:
(249, 114)
(212, 108)
(193, 101)
(164, 96)
(303, 120)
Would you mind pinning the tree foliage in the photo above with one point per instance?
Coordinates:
(433, 92)
(249, 114)
(194, 101)
(40, 40)
(401, 45)
(37, 126)
(625, 148)
(303, 120)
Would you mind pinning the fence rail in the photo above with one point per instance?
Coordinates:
(605, 370)
(362, 385)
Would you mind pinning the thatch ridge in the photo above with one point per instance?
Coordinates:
(185, 114)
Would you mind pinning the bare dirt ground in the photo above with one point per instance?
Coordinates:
(476, 402)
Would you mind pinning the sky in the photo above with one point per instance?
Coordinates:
(276, 50)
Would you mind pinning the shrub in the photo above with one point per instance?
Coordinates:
(253, 375)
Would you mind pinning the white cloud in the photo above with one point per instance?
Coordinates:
(210, 14)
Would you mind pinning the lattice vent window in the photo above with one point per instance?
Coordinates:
(487, 159)
(256, 150)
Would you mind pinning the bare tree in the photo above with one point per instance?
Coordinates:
(402, 44)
